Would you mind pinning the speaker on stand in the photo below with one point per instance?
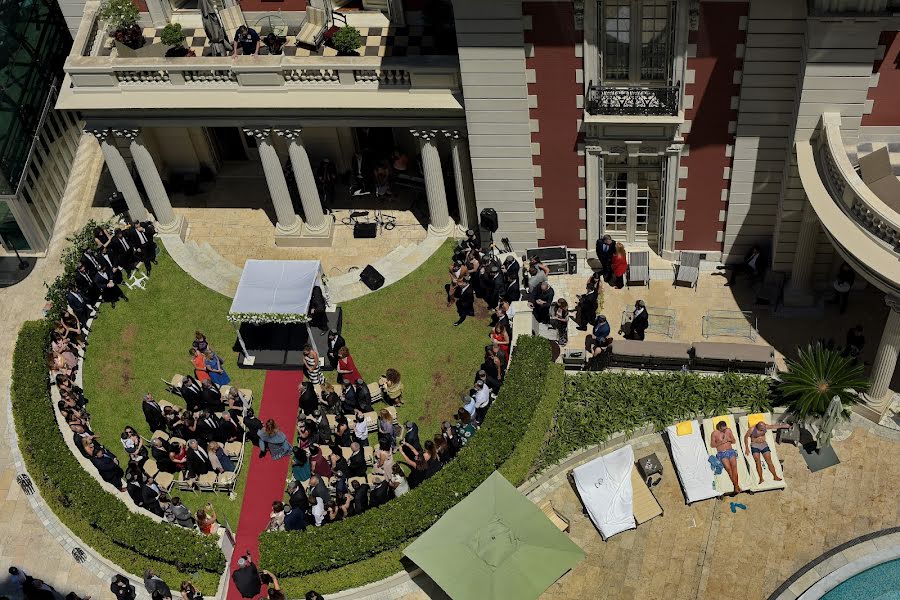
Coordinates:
(490, 222)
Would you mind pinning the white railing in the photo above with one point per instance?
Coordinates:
(848, 189)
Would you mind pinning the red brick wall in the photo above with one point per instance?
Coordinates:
(554, 62)
(714, 66)
(886, 95)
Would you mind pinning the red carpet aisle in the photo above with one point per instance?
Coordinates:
(266, 480)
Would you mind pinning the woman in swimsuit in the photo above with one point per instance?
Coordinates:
(759, 447)
(722, 439)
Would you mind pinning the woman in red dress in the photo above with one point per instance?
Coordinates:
(619, 266)
(500, 335)
(200, 372)
(346, 368)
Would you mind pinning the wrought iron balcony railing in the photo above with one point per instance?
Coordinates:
(661, 100)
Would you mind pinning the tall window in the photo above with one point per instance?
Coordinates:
(636, 38)
(631, 198)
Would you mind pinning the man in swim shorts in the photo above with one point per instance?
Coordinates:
(758, 446)
(722, 439)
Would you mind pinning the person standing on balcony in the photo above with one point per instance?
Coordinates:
(247, 40)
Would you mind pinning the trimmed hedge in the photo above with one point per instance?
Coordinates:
(77, 498)
(520, 465)
(388, 526)
(595, 406)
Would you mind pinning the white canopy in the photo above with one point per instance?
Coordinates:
(276, 287)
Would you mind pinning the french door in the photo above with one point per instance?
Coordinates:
(630, 208)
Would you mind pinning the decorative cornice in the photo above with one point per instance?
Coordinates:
(289, 134)
(260, 133)
(128, 134)
(893, 302)
(454, 134)
(100, 134)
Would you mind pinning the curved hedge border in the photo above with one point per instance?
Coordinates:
(390, 525)
(64, 484)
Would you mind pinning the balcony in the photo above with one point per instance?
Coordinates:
(632, 101)
(98, 79)
(863, 226)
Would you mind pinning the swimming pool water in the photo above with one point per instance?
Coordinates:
(881, 582)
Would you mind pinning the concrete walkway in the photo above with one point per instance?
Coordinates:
(25, 540)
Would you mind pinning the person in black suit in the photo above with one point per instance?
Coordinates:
(109, 289)
(640, 320)
(541, 299)
(363, 397)
(153, 413)
(84, 281)
(159, 451)
(252, 424)
(211, 397)
(78, 304)
(348, 401)
(208, 429)
(513, 290)
(606, 249)
(144, 248)
(465, 300)
(108, 467)
(335, 343)
(309, 401)
(150, 496)
(90, 262)
(495, 287)
(510, 269)
(198, 462)
(190, 391)
(357, 463)
(123, 253)
(108, 264)
(360, 497)
(231, 430)
(318, 318)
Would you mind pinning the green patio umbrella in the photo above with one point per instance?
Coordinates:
(495, 544)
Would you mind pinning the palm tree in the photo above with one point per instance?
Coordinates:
(818, 376)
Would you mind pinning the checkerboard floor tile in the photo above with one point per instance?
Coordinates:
(376, 41)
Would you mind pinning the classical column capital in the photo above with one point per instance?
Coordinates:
(128, 134)
(426, 135)
(289, 134)
(260, 133)
(100, 134)
(454, 134)
(893, 302)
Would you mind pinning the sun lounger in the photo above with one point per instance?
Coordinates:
(557, 519)
(688, 271)
(644, 504)
(769, 482)
(605, 488)
(692, 462)
(723, 482)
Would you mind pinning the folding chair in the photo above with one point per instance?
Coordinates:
(687, 272)
(639, 268)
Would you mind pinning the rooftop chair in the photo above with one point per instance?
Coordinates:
(687, 272)
(313, 27)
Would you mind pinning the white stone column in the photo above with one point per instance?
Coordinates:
(879, 396)
(120, 173)
(462, 176)
(317, 223)
(434, 183)
(289, 224)
(799, 290)
(168, 221)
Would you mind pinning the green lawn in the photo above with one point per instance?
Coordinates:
(136, 345)
(406, 326)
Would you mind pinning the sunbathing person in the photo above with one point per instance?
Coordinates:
(758, 446)
(722, 439)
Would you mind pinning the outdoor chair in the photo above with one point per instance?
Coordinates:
(557, 519)
(639, 268)
(687, 272)
(313, 27)
(232, 18)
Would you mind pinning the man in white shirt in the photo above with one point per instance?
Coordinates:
(482, 400)
(361, 429)
(318, 511)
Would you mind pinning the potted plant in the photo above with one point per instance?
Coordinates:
(818, 376)
(172, 35)
(121, 17)
(346, 40)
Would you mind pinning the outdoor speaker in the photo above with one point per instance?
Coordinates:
(573, 263)
(489, 220)
(371, 277)
(365, 230)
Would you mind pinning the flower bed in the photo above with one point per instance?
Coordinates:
(594, 406)
(390, 525)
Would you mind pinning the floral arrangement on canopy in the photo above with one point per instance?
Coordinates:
(261, 318)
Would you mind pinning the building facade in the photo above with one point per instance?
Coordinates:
(679, 125)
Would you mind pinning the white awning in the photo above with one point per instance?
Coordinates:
(276, 287)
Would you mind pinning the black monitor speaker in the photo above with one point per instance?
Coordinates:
(371, 277)
(489, 220)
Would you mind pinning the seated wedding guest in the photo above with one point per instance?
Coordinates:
(343, 435)
(159, 452)
(392, 387)
(335, 343)
(356, 465)
(182, 514)
(134, 445)
(338, 463)
(199, 363)
(108, 467)
(307, 434)
(317, 489)
(190, 391)
(150, 493)
(198, 462)
(206, 520)
(320, 466)
(229, 428)
(134, 483)
(363, 397)
(383, 463)
(208, 427)
(276, 517)
(380, 494)
(397, 482)
(211, 397)
(272, 439)
(236, 403)
(331, 401)
(294, 519)
(178, 456)
(301, 468)
(189, 592)
(220, 461)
